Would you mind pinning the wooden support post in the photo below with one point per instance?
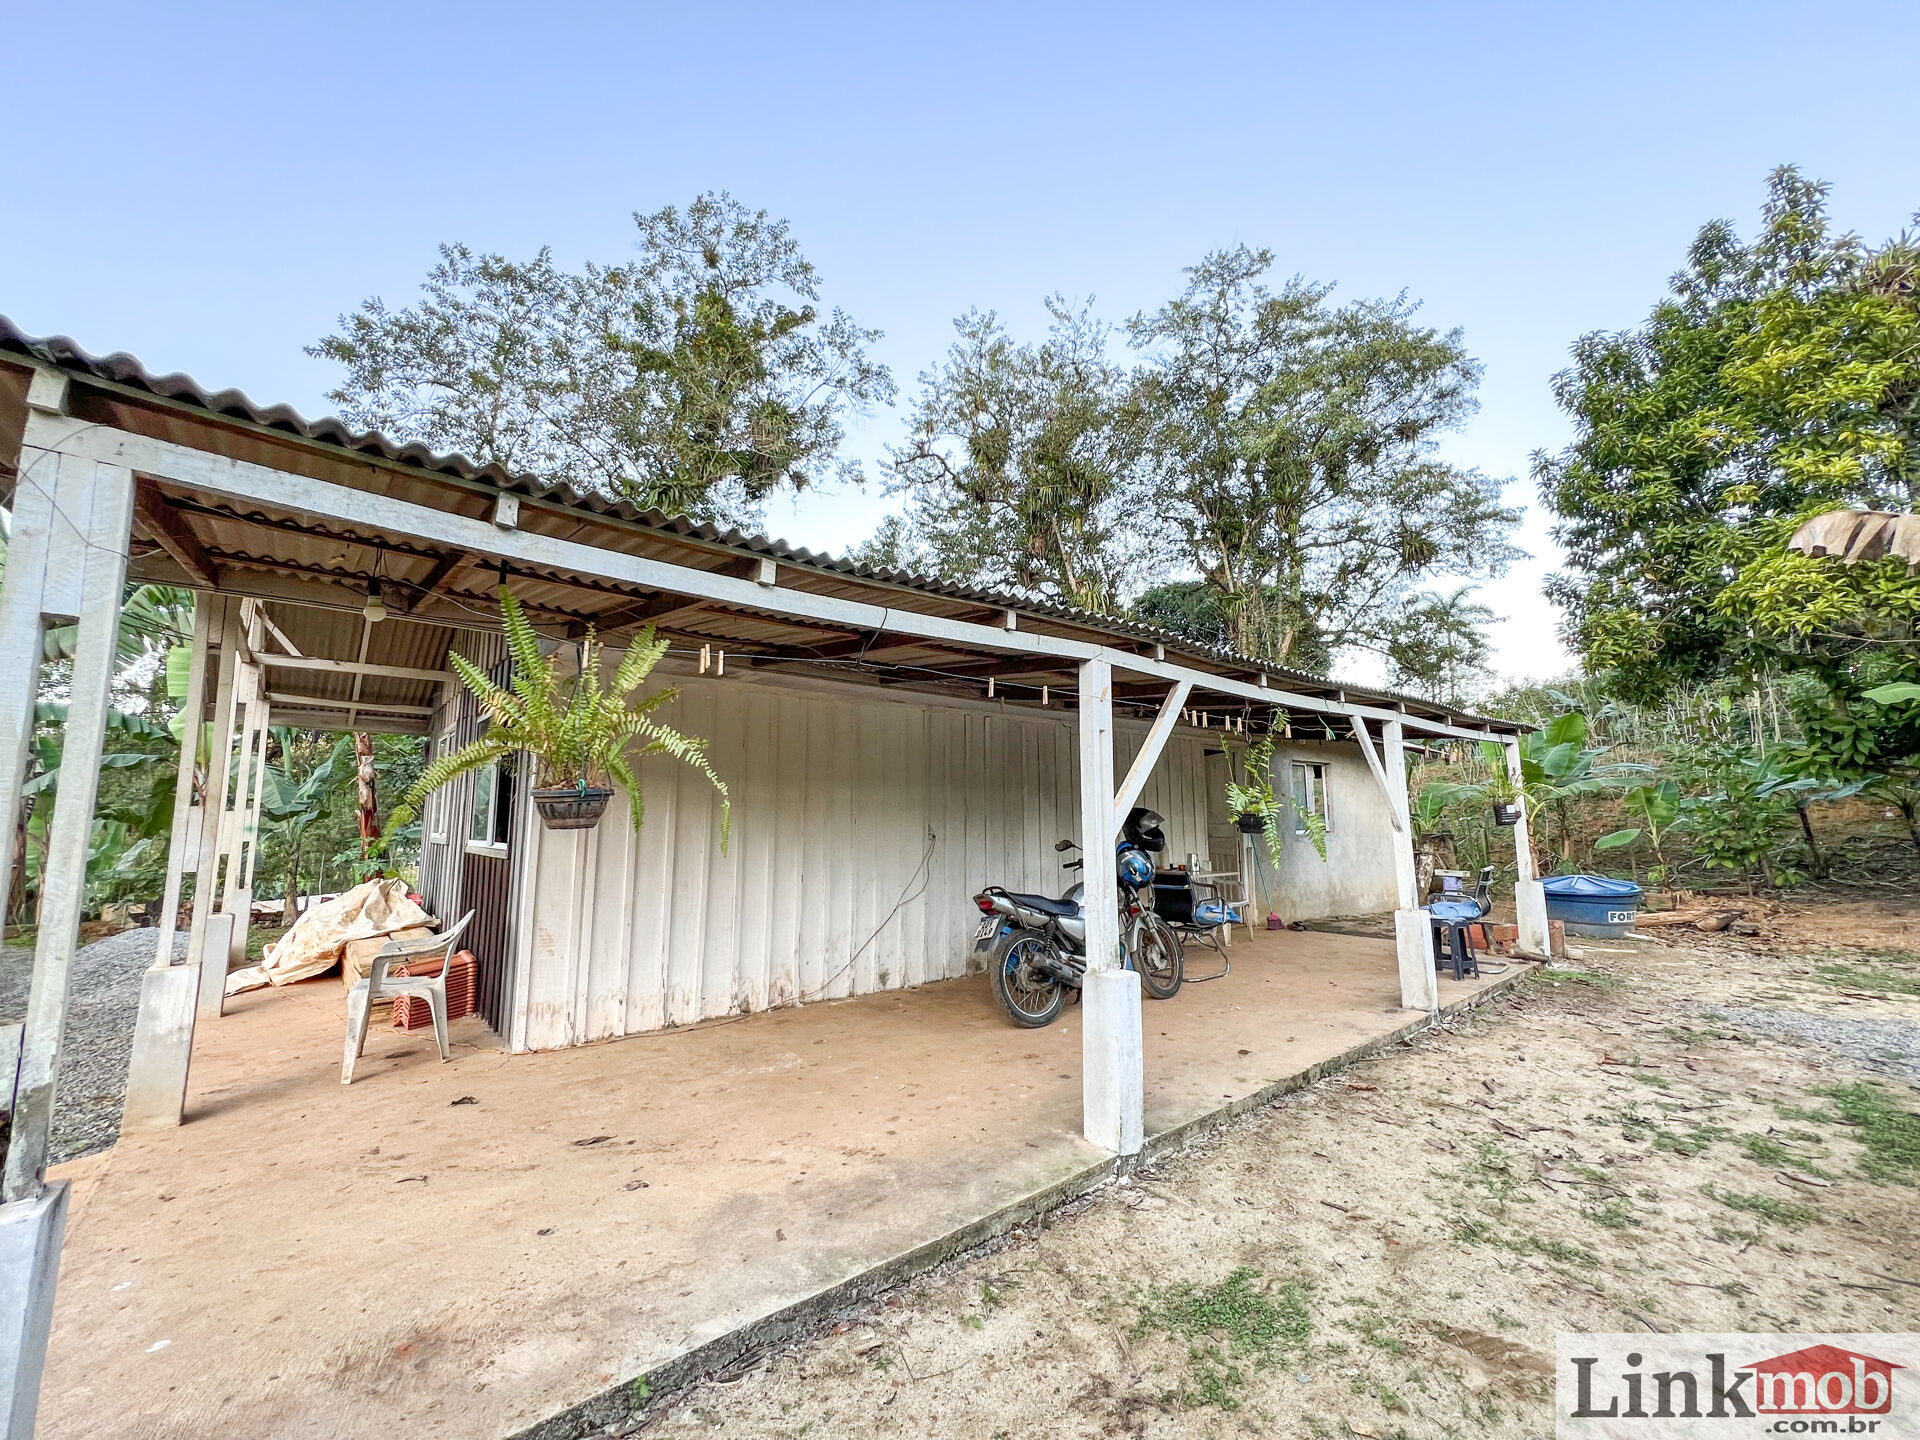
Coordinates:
(85, 572)
(1112, 1055)
(1412, 929)
(1529, 895)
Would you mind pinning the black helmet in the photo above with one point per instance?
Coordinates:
(1143, 829)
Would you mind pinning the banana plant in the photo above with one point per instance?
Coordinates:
(1658, 809)
(293, 797)
(1558, 768)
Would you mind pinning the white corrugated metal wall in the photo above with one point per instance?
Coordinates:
(861, 828)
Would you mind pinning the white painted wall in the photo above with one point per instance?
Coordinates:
(836, 793)
(1356, 878)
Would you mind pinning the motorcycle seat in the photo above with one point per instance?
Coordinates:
(1044, 905)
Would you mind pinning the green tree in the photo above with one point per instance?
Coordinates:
(295, 792)
(1022, 464)
(1778, 378)
(1294, 445)
(699, 378)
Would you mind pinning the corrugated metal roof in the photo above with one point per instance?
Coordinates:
(126, 370)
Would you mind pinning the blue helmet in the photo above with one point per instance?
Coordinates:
(1135, 869)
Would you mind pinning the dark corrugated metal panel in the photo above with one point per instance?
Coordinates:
(124, 369)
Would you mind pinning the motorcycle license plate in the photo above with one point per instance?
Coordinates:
(988, 926)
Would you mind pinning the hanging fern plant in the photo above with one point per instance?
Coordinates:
(1257, 800)
(583, 732)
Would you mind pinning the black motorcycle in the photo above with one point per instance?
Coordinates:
(1034, 946)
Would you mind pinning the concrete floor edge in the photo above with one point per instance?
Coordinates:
(620, 1405)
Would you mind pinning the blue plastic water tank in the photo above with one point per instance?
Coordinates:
(1592, 904)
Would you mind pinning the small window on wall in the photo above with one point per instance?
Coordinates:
(492, 807)
(1310, 794)
(439, 802)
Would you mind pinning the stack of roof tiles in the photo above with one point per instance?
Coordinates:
(410, 1012)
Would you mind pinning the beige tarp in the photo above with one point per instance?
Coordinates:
(315, 943)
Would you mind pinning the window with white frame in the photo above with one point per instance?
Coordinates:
(492, 817)
(1310, 795)
(439, 802)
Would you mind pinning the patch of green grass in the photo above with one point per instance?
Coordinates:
(1253, 1320)
(1479, 1232)
(1616, 1213)
(1493, 1171)
(1784, 1212)
(1890, 1134)
(1369, 1329)
(1693, 1142)
(1765, 1149)
(1812, 1117)
(1647, 1077)
(1875, 979)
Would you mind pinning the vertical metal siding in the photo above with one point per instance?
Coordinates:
(453, 881)
(829, 888)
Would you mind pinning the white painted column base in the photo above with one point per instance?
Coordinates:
(215, 946)
(1113, 1062)
(30, 1236)
(1530, 909)
(162, 1048)
(1413, 942)
(240, 906)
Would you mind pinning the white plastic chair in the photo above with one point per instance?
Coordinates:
(378, 984)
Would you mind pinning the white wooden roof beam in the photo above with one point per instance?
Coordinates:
(247, 481)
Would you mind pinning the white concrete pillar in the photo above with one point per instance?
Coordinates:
(85, 574)
(163, 1029)
(162, 1047)
(216, 825)
(1111, 1050)
(1412, 930)
(22, 636)
(31, 1233)
(1529, 896)
(180, 841)
(250, 706)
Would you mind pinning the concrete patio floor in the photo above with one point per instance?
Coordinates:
(302, 1259)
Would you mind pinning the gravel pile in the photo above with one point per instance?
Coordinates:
(102, 1005)
(1891, 1047)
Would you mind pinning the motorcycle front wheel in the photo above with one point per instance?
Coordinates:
(1021, 982)
(1158, 956)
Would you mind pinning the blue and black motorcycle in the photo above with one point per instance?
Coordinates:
(1035, 947)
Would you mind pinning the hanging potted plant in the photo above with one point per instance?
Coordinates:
(1504, 796)
(1258, 810)
(583, 733)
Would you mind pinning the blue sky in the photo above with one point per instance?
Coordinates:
(209, 188)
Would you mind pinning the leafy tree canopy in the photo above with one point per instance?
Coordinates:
(698, 378)
(1294, 444)
(1778, 378)
(1023, 462)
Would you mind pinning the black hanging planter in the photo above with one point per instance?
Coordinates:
(571, 807)
(1506, 812)
(1250, 823)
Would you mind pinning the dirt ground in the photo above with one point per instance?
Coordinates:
(1695, 1132)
